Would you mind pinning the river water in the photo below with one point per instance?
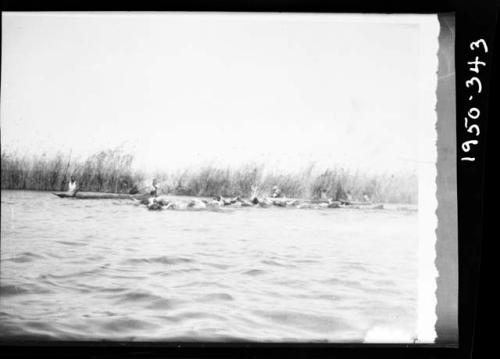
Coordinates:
(110, 269)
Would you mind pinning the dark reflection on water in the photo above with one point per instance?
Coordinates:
(77, 270)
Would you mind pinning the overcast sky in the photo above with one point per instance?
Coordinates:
(183, 89)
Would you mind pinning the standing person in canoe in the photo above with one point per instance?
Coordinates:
(73, 186)
(156, 187)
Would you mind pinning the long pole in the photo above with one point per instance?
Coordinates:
(67, 166)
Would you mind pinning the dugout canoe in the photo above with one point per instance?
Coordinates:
(353, 203)
(100, 195)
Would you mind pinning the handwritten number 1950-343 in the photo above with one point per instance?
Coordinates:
(474, 83)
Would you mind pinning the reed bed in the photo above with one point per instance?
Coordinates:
(105, 171)
(112, 171)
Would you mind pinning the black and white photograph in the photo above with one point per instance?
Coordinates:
(227, 177)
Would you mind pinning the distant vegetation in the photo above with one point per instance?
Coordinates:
(112, 171)
(105, 171)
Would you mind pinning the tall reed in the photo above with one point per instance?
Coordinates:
(105, 171)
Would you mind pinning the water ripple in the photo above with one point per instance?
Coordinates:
(68, 243)
(24, 257)
(161, 260)
(320, 323)
(216, 297)
(254, 272)
(14, 290)
(122, 325)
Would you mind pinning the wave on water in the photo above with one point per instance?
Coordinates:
(202, 284)
(343, 282)
(72, 274)
(138, 296)
(124, 325)
(24, 257)
(320, 323)
(160, 259)
(7, 290)
(216, 297)
(271, 262)
(68, 243)
(11, 330)
(87, 288)
(254, 272)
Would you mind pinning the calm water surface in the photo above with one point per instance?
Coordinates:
(107, 269)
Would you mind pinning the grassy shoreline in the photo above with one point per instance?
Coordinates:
(112, 171)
